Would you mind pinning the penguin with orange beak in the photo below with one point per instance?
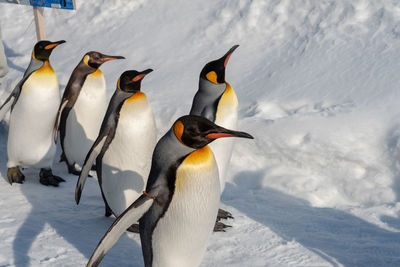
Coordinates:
(217, 101)
(82, 109)
(177, 211)
(124, 145)
(33, 104)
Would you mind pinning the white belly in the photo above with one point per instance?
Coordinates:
(85, 118)
(223, 147)
(181, 236)
(30, 141)
(127, 162)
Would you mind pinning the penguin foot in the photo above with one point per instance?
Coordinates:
(15, 175)
(72, 169)
(48, 178)
(134, 228)
(63, 157)
(94, 168)
(220, 227)
(223, 214)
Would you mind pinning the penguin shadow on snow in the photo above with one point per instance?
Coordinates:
(328, 232)
(124, 177)
(81, 226)
(77, 130)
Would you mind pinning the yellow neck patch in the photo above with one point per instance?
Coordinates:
(229, 97)
(199, 156)
(198, 162)
(178, 130)
(97, 73)
(46, 69)
(86, 60)
(136, 97)
(212, 77)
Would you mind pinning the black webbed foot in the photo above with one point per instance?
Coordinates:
(223, 214)
(72, 169)
(63, 157)
(14, 175)
(94, 167)
(220, 227)
(48, 178)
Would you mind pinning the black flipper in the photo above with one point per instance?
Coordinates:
(94, 151)
(123, 222)
(12, 98)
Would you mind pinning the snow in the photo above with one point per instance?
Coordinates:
(318, 88)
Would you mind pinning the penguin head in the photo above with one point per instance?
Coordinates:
(130, 80)
(196, 132)
(214, 71)
(43, 49)
(95, 59)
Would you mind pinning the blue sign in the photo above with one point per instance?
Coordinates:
(62, 4)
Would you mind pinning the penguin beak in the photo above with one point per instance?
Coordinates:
(222, 132)
(141, 75)
(53, 45)
(105, 58)
(228, 54)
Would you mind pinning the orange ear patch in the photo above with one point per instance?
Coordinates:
(212, 77)
(118, 83)
(178, 130)
(138, 77)
(86, 60)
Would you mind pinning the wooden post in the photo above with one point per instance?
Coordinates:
(39, 21)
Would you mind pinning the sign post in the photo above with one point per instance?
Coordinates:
(39, 22)
(38, 8)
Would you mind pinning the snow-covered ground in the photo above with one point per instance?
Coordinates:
(318, 86)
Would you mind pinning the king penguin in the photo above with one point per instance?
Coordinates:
(124, 146)
(82, 109)
(33, 102)
(217, 101)
(177, 211)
